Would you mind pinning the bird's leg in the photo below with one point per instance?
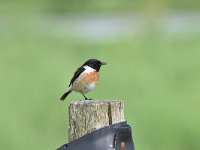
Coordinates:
(86, 97)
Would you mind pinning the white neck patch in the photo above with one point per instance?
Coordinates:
(89, 69)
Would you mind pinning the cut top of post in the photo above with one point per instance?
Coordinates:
(90, 115)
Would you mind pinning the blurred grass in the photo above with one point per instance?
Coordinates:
(157, 77)
(60, 6)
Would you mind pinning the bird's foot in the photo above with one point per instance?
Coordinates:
(88, 99)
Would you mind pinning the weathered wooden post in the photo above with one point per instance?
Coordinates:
(89, 115)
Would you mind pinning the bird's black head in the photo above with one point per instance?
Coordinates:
(94, 63)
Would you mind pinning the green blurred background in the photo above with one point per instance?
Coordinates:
(153, 53)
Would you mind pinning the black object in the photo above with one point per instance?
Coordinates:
(114, 137)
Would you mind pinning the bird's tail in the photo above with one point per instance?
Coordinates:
(69, 90)
(64, 95)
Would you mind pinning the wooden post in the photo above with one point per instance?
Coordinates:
(89, 115)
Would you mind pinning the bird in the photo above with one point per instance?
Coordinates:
(84, 78)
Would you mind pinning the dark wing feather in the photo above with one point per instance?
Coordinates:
(76, 74)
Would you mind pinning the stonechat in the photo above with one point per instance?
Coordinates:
(85, 78)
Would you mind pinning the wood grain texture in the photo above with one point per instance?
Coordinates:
(89, 115)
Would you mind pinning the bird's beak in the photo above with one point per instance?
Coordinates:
(103, 63)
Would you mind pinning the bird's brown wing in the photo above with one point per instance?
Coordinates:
(76, 74)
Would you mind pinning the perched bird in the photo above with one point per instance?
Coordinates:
(85, 78)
